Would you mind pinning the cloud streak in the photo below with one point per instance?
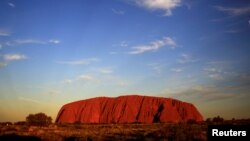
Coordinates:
(164, 5)
(113, 53)
(85, 77)
(177, 70)
(4, 32)
(124, 43)
(156, 67)
(203, 93)
(219, 70)
(154, 46)
(185, 58)
(33, 41)
(7, 58)
(54, 92)
(29, 100)
(233, 11)
(29, 41)
(79, 62)
(11, 4)
(14, 57)
(106, 71)
(118, 12)
(68, 81)
(54, 41)
(3, 64)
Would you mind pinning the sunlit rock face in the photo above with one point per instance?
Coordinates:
(128, 109)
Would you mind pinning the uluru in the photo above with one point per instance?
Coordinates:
(128, 109)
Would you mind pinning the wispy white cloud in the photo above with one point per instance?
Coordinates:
(216, 76)
(54, 41)
(14, 57)
(97, 77)
(118, 12)
(112, 79)
(29, 41)
(85, 77)
(112, 52)
(3, 64)
(212, 69)
(11, 4)
(165, 5)
(34, 41)
(185, 58)
(177, 70)
(68, 81)
(249, 22)
(123, 83)
(106, 71)
(154, 46)
(54, 92)
(8, 43)
(188, 5)
(79, 62)
(7, 58)
(28, 100)
(156, 67)
(4, 32)
(219, 70)
(234, 11)
(232, 31)
(124, 43)
(203, 93)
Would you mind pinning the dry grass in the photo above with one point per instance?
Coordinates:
(78, 132)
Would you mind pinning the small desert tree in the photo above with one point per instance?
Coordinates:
(218, 119)
(208, 120)
(39, 119)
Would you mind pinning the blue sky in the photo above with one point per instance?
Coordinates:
(55, 52)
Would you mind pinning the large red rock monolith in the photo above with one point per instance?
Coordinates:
(128, 109)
